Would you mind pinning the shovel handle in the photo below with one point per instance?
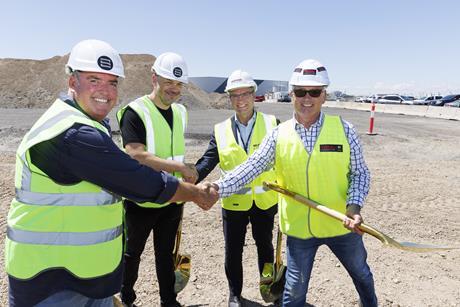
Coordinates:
(328, 211)
(176, 255)
(279, 240)
(386, 240)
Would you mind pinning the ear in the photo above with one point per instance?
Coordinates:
(73, 82)
(154, 79)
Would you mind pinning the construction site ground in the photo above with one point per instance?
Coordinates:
(414, 196)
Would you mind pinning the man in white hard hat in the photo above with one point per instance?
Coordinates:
(232, 142)
(152, 128)
(319, 156)
(64, 235)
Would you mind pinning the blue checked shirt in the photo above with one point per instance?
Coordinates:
(264, 157)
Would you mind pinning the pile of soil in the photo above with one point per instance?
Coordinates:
(36, 83)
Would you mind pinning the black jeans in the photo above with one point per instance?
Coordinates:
(139, 223)
(235, 224)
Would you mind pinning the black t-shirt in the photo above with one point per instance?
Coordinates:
(133, 129)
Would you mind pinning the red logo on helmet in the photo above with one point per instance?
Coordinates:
(309, 71)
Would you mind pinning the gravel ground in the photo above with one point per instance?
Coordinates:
(415, 167)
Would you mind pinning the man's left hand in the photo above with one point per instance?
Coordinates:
(354, 218)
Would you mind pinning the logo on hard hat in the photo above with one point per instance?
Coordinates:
(105, 63)
(177, 72)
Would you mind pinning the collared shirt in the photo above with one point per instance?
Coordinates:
(264, 156)
(244, 132)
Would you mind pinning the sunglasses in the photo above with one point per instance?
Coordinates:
(313, 93)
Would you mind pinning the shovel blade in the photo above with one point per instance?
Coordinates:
(182, 272)
(274, 290)
(117, 302)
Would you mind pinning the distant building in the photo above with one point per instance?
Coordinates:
(217, 85)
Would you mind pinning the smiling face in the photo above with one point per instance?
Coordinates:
(168, 91)
(95, 93)
(308, 108)
(243, 101)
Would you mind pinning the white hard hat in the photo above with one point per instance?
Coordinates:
(309, 73)
(240, 79)
(95, 56)
(171, 66)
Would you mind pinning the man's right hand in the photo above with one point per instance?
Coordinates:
(204, 194)
(207, 197)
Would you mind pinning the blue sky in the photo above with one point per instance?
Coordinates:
(408, 47)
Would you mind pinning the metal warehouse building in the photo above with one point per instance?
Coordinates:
(217, 85)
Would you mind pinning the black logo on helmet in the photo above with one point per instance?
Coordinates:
(177, 72)
(105, 63)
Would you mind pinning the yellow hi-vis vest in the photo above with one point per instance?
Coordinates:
(74, 227)
(231, 155)
(320, 176)
(160, 140)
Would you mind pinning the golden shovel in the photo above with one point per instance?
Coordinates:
(386, 240)
(182, 262)
(117, 302)
(272, 289)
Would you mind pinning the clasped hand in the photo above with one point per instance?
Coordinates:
(207, 195)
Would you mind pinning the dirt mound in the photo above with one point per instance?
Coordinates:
(36, 83)
(195, 98)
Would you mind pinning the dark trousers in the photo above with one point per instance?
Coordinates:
(235, 224)
(139, 223)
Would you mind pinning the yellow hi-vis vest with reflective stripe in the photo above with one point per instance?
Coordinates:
(320, 176)
(231, 155)
(160, 140)
(74, 227)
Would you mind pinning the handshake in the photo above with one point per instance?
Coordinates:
(204, 194)
(207, 195)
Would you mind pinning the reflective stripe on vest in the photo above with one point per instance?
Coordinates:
(161, 141)
(320, 176)
(75, 227)
(63, 238)
(257, 190)
(74, 199)
(231, 155)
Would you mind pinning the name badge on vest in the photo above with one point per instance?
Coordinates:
(331, 148)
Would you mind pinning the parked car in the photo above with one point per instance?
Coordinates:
(284, 97)
(445, 99)
(427, 100)
(360, 99)
(259, 98)
(373, 98)
(395, 99)
(454, 104)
